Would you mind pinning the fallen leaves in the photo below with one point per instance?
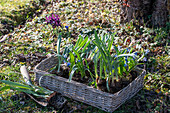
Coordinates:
(30, 43)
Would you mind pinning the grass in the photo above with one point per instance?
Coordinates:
(14, 4)
(15, 12)
(37, 38)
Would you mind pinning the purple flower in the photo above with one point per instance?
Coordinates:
(48, 19)
(115, 55)
(136, 53)
(53, 20)
(78, 60)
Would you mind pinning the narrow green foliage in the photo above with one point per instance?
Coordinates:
(114, 64)
(76, 56)
(74, 68)
(58, 44)
(35, 90)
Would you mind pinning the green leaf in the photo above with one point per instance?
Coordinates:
(78, 55)
(61, 56)
(58, 44)
(78, 41)
(72, 72)
(15, 84)
(72, 59)
(101, 67)
(86, 46)
(115, 64)
(110, 44)
(4, 88)
(82, 44)
(124, 55)
(116, 49)
(66, 51)
(29, 92)
(95, 63)
(87, 65)
(107, 84)
(121, 68)
(101, 51)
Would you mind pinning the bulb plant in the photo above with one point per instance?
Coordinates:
(110, 61)
(58, 27)
(77, 57)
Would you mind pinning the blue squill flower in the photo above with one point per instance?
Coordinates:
(125, 65)
(136, 53)
(128, 50)
(113, 67)
(144, 59)
(147, 51)
(66, 27)
(126, 60)
(68, 64)
(64, 61)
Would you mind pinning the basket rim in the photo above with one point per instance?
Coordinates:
(143, 72)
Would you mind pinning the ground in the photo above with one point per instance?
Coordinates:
(29, 43)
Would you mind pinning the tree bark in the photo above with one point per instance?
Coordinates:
(151, 12)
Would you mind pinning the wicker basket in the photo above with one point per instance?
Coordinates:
(83, 93)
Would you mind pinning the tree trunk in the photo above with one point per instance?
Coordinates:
(151, 12)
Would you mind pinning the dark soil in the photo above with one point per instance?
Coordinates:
(115, 86)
